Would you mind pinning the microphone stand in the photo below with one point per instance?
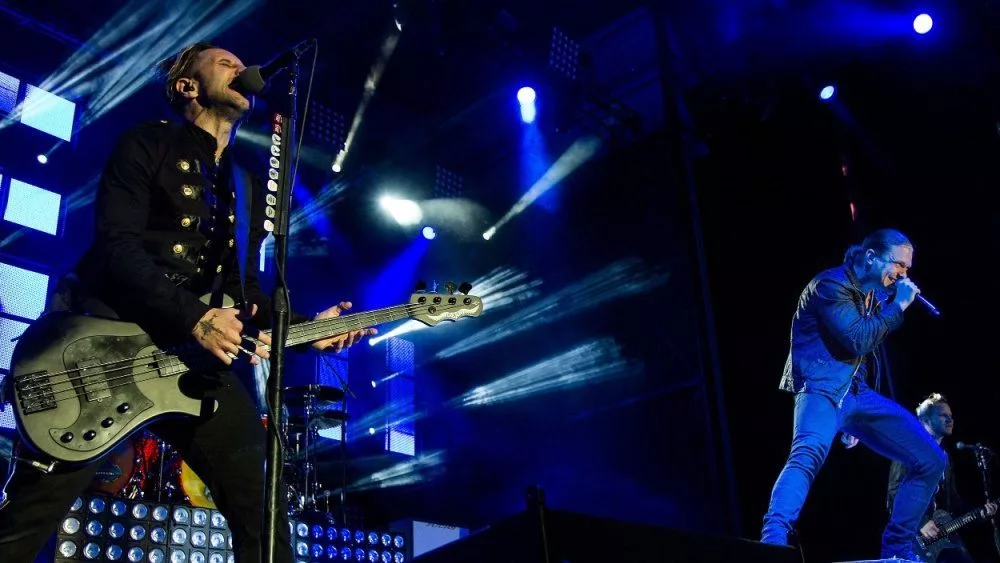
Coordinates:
(283, 125)
(981, 461)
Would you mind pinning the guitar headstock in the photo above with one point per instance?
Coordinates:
(432, 308)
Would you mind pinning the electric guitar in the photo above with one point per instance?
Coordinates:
(83, 384)
(930, 549)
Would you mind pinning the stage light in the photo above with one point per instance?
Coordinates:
(526, 95)
(337, 167)
(922, 23)
(48, 112)
(42, 159)
(429, 233)
(9, 87)
(489, 233)
(371, 431)
(526, 99)
(23, 293)
(827, 92)
(116, 530)
(404, 211)
(33, 207)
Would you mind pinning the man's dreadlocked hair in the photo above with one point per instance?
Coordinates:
(180, 66)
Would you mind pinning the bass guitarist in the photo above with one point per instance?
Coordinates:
(177, 219)
(935, 414)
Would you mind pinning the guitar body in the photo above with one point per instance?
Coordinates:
(83, 384)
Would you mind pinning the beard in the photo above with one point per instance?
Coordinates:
(227, 103)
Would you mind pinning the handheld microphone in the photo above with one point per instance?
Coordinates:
(923, 301)
(930, 307)
(254, 79)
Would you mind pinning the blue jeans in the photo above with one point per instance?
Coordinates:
(878, 423)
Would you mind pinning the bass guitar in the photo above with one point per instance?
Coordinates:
(83, 384)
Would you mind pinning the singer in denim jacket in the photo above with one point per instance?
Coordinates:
(840, 320)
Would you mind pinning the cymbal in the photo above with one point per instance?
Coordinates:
(327, 419)
(299, 395)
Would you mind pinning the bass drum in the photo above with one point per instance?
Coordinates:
(116, 472)
(130, 470)
(194, 489)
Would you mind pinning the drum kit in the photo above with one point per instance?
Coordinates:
(147, 467)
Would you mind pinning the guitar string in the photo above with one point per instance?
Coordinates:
(77, 385)
(202, 360)
(307, 329)
(160, 355)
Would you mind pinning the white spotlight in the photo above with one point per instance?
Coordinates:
(42, 159)
(489, 233)
(404, 211)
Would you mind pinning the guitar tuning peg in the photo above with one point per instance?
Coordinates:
(421, 286)
(450, 287)
(465, 288)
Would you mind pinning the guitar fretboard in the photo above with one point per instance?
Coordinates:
(312, 331)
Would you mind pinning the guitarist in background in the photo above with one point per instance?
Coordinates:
(166, 233)
(935, 414)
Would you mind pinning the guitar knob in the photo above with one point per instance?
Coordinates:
(66, 438)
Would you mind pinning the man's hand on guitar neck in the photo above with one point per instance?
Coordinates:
(220, 332)
(341, 341)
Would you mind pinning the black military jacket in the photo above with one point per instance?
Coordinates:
(166, 231)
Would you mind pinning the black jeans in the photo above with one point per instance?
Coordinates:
(226, 448)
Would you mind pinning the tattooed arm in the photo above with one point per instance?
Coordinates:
(219, 332)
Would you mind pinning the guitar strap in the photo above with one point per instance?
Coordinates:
(244, 201)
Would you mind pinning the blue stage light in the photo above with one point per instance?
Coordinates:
(827, 92)
(48, 112)
(526, 95)
(33, 207)
(922, 23)
(23, 293)
(526, 99)
(429, 233)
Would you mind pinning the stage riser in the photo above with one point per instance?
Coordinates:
(577, 538)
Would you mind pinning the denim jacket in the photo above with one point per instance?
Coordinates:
(833, 332)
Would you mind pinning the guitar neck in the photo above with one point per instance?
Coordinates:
(311, 331)
(964, 520)
(960, 522)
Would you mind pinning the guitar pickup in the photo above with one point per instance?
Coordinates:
(92, 380)
(34, 392)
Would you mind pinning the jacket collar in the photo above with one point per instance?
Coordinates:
(204, 141)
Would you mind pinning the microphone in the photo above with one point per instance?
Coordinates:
(930, 306)
(964, 446)
(923, 301)
(254, 79)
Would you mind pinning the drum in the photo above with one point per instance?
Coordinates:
(115, 474)
(195, 490)
(130, 469)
